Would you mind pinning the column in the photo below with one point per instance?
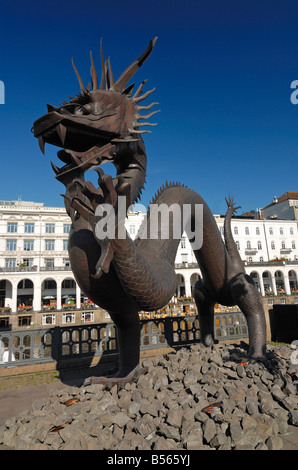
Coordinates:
(58, 284)
(287, 284)
(261, 285)
(78, 296)
(36, 297)
(273, 284)
(187, 286)
(14, 306)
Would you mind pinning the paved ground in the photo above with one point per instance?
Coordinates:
(17, 395)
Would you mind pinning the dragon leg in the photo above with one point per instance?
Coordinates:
(246, 296)
(205, 306)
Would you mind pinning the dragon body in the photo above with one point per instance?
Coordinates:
(121, 275)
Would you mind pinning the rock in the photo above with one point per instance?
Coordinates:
(163, 409)
(274, 443)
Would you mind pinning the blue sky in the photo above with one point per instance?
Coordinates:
(222, 72)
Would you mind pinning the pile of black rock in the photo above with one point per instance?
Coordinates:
(193, 399)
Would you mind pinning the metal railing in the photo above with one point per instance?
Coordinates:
(77, 341)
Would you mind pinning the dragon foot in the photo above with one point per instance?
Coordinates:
(120, 378)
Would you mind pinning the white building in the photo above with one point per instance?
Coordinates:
(35, 269)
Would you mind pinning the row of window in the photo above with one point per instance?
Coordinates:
(247, 231)
(29, 227)
(259, 245)
(28, 262)
(11, 245)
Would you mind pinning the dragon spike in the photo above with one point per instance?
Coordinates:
(111, 73)
(139, 90)
(149, 106)
(51, 108)
(141, 124)
(94, 78)
(78, 76)
(147, 116)
(107, 75)
(131, 70)
(144, 96)
(103, 78)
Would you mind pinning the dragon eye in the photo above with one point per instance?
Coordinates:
(74, 108)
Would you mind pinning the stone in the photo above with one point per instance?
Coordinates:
(274, 443)
(209, 430)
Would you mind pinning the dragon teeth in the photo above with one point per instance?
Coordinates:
(61, 131)
(41, 143)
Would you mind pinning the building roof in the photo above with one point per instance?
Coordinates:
(284, 197)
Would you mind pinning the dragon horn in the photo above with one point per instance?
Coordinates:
(78, 76)
(131, 70)
(103, 75)
(93, 74)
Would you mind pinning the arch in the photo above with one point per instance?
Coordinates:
(279, 281)
(25, 293)
(193, 279)
(49, 292)
(180, 291)
(255, 276)
(267, 282)
(293, 281)
(68, 292)
(6, 288)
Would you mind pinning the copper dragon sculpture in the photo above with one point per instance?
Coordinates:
(105, 124)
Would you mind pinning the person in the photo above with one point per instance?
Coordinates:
(5, 356)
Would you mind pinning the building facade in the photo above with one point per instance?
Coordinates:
(35, 272)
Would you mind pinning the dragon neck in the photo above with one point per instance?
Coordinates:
(131, 164)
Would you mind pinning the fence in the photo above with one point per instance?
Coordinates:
(69, 342)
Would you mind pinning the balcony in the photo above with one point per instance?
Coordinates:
(251, 251)
(284, 251)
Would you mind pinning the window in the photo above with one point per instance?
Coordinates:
(87, 317)
(68, 318)
(49, 245)
(257, 231)
(259, 245)
(65, 245)
(50, 228)
(24, 321)
(270, 231)
(132, 229)
(238, 246)
(291, 231)
(12, 227)
(221, 229)
(261, 258)
(249, 259)
(11, 245)
(281, 231)
(248, 245)
(49, 284)
(235, 230)
(49, 262)
(66, 262)
(27, 262)
(293, 245)
(69, 283)
(28, 245)
(283, 245)
(272, 246)
(49, 319)
(270, 301)
(246, 231)
(66, 228)
(183, 243)
(29, 227)
(10, 262)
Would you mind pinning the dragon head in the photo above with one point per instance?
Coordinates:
(89, 125)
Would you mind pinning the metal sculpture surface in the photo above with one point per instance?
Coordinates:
(104, 124)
